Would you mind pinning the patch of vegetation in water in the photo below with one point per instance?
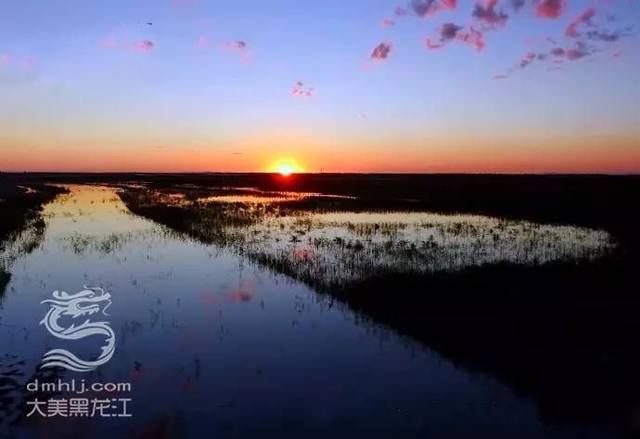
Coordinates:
(332, 251)
(105, 245)
(21, 223)
(22, 202)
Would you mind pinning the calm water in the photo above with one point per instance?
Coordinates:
(215, 345)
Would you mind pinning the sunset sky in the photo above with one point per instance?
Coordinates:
(333, 85)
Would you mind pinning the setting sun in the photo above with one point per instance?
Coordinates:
(285, 167)
(285, 170)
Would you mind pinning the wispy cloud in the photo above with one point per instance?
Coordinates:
(487, 14)
(239, 45)
(426, 8)
(585, 17)
(129, 37)
(143, 46)
(609, 37)
(300, 90)
(241, 48)
(381, 52)
(589, 33)
(577, 52)
(449, 32)
(554, 56)
(387, 22)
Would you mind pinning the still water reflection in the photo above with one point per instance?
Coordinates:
(215, 345)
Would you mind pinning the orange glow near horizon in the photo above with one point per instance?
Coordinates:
(552, 155)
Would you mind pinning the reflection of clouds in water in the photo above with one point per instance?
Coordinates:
(239, 296)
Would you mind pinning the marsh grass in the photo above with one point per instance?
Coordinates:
(21, 223)
(81, 244)
(333, 250)
(22, 203)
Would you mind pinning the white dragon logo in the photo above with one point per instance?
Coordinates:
(84, 303)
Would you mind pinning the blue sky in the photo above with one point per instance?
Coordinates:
(73, 81)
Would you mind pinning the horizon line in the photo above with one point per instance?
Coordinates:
(550, 173)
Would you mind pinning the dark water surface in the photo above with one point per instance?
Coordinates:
(214, 346)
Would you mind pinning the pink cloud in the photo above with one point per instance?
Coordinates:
(527, 59)
(143, 46)
(576, 53)
(449, 4)
(4, 60)
(387, 22)
(241, 48)
(554, 56)
(452, 32)
(237, 45)
(449, 31)
(426, 8)
(550, 8)
(381, 51)
(301, 91)
(433, 46)
(486, 13)
(584, 17)
(474, 38)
